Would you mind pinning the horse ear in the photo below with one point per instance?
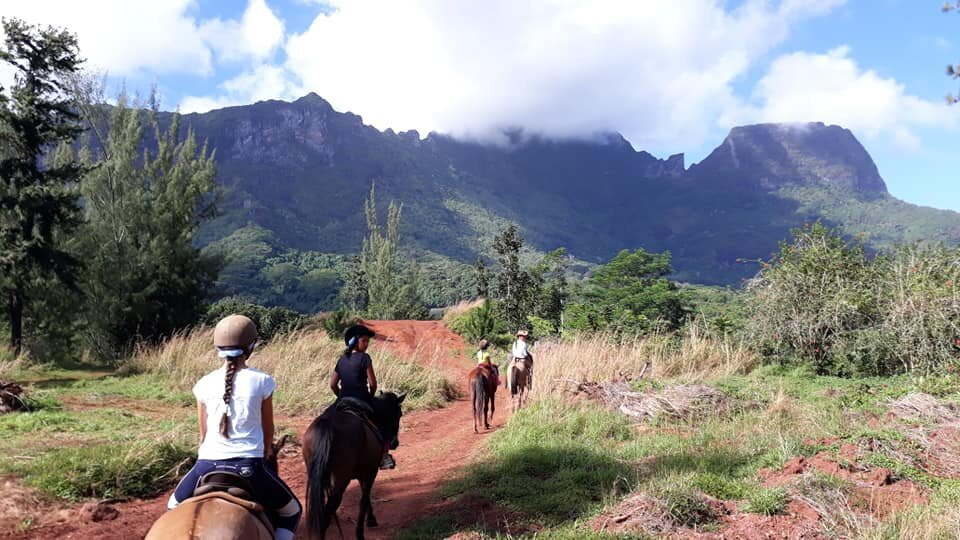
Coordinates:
(277, 446)
(401, 397)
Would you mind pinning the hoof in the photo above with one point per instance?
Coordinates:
(372, 522)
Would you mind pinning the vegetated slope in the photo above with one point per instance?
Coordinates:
(296, 175)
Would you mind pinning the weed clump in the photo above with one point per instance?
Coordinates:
(106, 471)
(767, 502)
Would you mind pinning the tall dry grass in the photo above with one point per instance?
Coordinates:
(692, 356)
(8, 362)
(460, 308)
(301, 362)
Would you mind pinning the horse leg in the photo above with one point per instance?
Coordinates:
(366, 505)
(333, 503)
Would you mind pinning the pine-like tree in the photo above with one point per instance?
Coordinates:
(392, 291)
(145, 278)
(38, 196)
(514, 284)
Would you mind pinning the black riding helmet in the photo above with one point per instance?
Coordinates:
(356, 332)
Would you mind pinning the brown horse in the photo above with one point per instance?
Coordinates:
(484, 387)
(218, 510)
(340, 446)
(519, 379)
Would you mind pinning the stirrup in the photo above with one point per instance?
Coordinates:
(387, 462)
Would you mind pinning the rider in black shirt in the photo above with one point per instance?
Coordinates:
(354, 376)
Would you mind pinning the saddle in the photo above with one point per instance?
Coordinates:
(360, 409)
(216, 510)
(226, 482)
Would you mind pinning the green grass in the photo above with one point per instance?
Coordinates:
(131, 469)
(766, 501)
(556, 466)
(93, 435)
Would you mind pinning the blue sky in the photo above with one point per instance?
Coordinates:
(671, 76)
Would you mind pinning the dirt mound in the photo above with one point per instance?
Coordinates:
(11, 397)
(685, 401)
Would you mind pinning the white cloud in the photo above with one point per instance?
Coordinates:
(130, 37)
(125, 37)
(261, 83)
(256, 35)
(832, 88)
(658, 71)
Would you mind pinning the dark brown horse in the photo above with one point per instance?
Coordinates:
(483, 384)
(218, 510)
(340, 446)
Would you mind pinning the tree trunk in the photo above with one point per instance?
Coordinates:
(16, 322)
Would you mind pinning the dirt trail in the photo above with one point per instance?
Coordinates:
(434, 445)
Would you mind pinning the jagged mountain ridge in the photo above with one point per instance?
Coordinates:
(301, 171)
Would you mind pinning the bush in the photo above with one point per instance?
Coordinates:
(270, 321)
(767, 502)
(825, 303)
(479, 323)
(106, 471)
(337, 322)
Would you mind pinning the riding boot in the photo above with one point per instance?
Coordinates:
(387, 462)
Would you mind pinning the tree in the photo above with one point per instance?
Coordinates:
(812, 295)
(38, 199)
(145, 199)
(953, 71)
(390, 290)
(482, 278)
(550, 287)
(630, 294)
(514, 284)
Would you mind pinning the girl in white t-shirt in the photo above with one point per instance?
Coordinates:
(238, 401)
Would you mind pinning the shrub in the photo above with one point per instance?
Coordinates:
(767, 502)
(824, 302)
(270, 321)
(479, 323)
(114, 470)
(337, 322)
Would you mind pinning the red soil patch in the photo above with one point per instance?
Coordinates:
(435, 445)
(874, 490)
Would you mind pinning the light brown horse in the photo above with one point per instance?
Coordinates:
(483, 384)
(519, 379)
(338, 447)
(227, 514)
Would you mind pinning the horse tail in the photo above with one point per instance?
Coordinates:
(318, 476)
(479, 392)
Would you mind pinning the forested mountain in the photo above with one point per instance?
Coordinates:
(296, 175)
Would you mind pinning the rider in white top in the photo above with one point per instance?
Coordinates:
(235, 409)
(520, 346)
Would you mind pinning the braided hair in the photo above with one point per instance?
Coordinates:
(227, 392)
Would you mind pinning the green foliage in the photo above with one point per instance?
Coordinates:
(686, 507)
(106, 471)
(384, 288)
(144, 278)
(629, 295)
(479, 323)
(337, 322)
(514, 284)
(270, 321)
(39, 208)
(824, 302)
(767, 501)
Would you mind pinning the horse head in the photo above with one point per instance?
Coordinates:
(388, 411)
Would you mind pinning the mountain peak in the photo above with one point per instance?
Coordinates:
(776, 155)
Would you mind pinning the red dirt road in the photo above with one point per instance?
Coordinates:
(434, 446)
